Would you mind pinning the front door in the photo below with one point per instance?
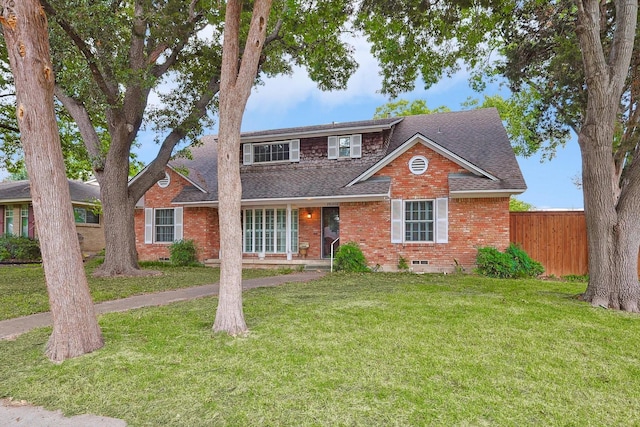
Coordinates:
(330, 230)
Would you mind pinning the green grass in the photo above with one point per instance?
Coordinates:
(23, 290)
(357, 350)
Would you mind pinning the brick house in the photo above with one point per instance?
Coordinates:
(16, 212)
(428, 188)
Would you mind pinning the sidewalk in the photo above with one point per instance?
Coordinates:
(11, 328)
(15, 414)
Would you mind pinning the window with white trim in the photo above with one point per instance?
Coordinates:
(162, 225)
(24, 220)
(344, 146)
(281, 151)
(8, 220)
(419, 221)
(266, 230)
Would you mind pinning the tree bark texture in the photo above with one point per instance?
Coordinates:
(236, 81)
(75, 327)
(613, 231)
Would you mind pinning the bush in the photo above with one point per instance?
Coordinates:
(18, 248)
(350, 259)
(493, 263)
(525, 266)
(512, 263)
(183, 252)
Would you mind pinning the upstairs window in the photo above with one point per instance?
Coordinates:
(345, 146)
(282, 151)
(270, 152)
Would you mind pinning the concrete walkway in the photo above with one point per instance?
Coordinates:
(11, 328)
(20, 413)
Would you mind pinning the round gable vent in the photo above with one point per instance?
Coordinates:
(418, 165)
(164, 182)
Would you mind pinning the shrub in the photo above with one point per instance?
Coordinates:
(493, 263)
(183, 252)
(18, 248)
(512, 263)
(350, 258)
(525, 266)
(403, 265)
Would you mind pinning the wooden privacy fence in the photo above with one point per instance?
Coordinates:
(556, 239)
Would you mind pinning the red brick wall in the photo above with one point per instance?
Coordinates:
(309, 231)
(472, 222)
(200, 223)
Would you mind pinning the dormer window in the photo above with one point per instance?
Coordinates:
(345, 146)
(270, 152)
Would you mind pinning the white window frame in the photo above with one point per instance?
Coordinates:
(9, 220)
(150, 225)
(24, 216)
(355, 146)
(248, 152)
(261, 236)
(430, 224)
(440, 221)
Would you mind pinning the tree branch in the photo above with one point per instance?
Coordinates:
(153, 172)
(85, 125)
(110, 90)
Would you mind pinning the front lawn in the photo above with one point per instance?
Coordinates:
(358, 350)
(23, 290)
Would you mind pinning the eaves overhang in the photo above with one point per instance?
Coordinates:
(476, 194)
(298, 201)
(325, 131)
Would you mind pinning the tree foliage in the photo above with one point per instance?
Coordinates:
(517, 205)
(402, 107)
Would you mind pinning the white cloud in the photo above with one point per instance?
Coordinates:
(283, 93)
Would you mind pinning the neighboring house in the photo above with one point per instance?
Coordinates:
(428, 188)
(16, 212)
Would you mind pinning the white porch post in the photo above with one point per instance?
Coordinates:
(288, 248)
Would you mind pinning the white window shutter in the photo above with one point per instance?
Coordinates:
(396, 221)
(294, 150)
(247, 154)
(177, 221)
(356, 146)
(332, 151)
(442, 220)
(148, 225)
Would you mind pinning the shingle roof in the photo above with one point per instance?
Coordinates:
(295, 181)
(477, 136)
(81, 192)
(336, 127)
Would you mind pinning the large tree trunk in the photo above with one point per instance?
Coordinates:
(118, 209)
(75, 327)
(612, 232)
(235, 87)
